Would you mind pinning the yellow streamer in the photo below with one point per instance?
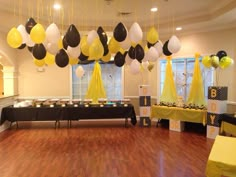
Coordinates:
(169, 93)
(96, 89)
(196, 94)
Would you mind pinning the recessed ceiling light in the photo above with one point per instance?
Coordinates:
(57, 6)
(154, 9)
(179, 28)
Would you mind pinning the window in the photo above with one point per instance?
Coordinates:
(183, 72)
(111, 76)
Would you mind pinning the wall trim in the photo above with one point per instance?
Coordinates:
(231, 102)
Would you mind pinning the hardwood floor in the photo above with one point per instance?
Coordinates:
(101, 149)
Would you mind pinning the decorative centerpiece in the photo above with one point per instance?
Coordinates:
(52, 102)
(64, 102)
(102, 101)
(39, 102)
(87, 102)
(125, 102)
(76, 102)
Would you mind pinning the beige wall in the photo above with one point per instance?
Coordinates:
(53, 82)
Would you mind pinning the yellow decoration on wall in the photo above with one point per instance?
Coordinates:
(169, 93)
(96, 89)
(196, 94)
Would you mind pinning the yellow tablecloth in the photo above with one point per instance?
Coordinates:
(222, 159)
(176, 113)
(228, 128)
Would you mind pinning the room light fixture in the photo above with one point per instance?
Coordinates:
(179, 28)
(154, 9)
(57, 6)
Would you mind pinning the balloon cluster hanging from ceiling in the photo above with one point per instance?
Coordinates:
(48, 47)
(221, 59)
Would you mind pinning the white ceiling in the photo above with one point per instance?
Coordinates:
(192, 15)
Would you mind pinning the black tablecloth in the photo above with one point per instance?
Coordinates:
(67, 113)
(229, 118)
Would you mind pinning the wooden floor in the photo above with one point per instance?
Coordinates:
(102, 149)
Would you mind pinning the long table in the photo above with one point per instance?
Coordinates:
(70, 113)
(177, 113)
(222, 159)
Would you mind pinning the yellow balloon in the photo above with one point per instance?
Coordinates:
(37, 34)
(122, 51)
(96, 49)
(225, 62)
(107, 57)
(14, 38)
(84, 46)
(152, 35)
(49, 59)
(206, 61)
(60, 44)
(113, 45)
(39, 63)
(73, 61)
(215, 61)
(145, 48)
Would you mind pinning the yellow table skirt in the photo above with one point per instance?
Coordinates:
(222, 159)
(181, 114)
(228, 128)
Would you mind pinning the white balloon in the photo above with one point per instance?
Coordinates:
(128, 60)
(29, 42)
(74, 52)
(174, 44)
(135, 66)
(91, 36)
(52, 48)
(53, 33)
(79, 71)
(135, 33)
(126, 43)
(159, 47)
(24, 34)
(152, 54)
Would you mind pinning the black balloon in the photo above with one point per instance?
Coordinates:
(22, 46)
(72, 36)
(131, 52)
(82, 57)
(30, 24)
(30, 49)
(119, 59)
(221, 54)
(64, 43)
(62, 58)
(139, 52)
(149, 45)
(166, 50)
(120, 32)
(39, 51)
(106, 50)
(102, 35)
